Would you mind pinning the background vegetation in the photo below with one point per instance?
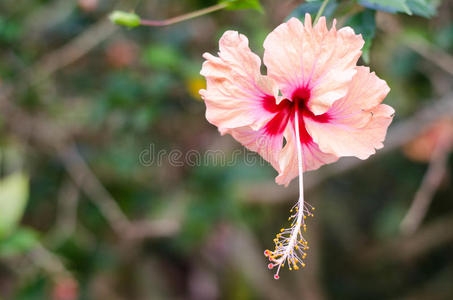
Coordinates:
(81, 217)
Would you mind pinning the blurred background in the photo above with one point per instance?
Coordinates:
(88, 210)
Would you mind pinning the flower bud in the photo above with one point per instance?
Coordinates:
(124, 18)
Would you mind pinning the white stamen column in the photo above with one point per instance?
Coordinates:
(289, 243)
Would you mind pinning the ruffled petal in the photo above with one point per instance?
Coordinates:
(316, 58)
(266, 145)
(235, 87)
(357, 124)
(268, 140)
(312, 156)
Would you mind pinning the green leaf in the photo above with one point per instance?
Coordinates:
(124, 18)
(242, 4)
(422, 8)
(312, 8)
(392, 6)
(364, 23)
(20, 241)
(14, 191)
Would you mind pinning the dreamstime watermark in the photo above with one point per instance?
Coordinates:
(193, 158)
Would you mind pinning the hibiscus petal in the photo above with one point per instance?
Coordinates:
(312, 157)
(357, 124)
(235, 87)
(268, 140)
(266, 145)
(316, 58)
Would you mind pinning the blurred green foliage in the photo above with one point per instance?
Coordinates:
(19, 242)
(13, 198)
(312, 7)
(365, 24)
(243, 4)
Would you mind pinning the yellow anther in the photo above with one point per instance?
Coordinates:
(296, 268)
(281, 230)
(303, 265)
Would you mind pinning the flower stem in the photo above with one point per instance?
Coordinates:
(320, 11)
(184, 17)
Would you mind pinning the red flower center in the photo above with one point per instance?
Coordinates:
(285, 112)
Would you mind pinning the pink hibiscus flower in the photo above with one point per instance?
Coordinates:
(313, 106)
